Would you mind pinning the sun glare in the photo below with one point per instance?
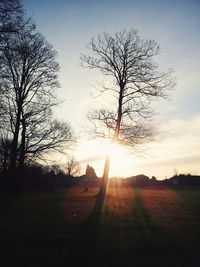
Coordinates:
(114, 149)
(94, 152)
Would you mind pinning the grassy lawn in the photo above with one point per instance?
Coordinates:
(130, 227)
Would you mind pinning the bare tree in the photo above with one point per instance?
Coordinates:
(136, 81)
(28, 75)
(11, 16)
(72, 166)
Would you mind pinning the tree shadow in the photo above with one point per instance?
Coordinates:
(157, 231)
(88, 234)
(137, 236)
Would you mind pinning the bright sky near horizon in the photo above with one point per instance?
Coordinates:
(174, 24)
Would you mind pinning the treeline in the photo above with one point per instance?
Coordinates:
(28, 89)
(180, 180)
(43, 178)
(183, 180)
(33, 178)
(46, 178)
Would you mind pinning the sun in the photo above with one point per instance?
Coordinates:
(94, 152)
(120, 159)
(113, 149)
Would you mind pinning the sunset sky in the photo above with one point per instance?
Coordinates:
(69, 25)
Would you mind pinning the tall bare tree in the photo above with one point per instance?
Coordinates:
(28, 75)
(136, 81)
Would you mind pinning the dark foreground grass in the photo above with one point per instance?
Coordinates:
(130, 227)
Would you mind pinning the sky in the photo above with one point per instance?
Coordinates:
(174, 24)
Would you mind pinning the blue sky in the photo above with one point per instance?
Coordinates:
(69, 25)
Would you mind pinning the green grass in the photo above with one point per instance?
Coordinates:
(130, 227)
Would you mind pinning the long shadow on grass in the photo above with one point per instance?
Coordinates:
(88, 234)
(136, 239)
(155, 245)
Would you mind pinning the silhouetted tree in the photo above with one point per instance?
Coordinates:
(128, 60)
(28, 75)
(153, 180)
(90, 174)
(55, 168)
(72, 166)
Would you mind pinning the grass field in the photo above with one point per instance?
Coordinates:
(130, 227)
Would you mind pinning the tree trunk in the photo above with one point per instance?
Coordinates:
(104, 182)
(23, 144)
(115, 138)
(5, 159)
(13, 158)
(119, 113)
